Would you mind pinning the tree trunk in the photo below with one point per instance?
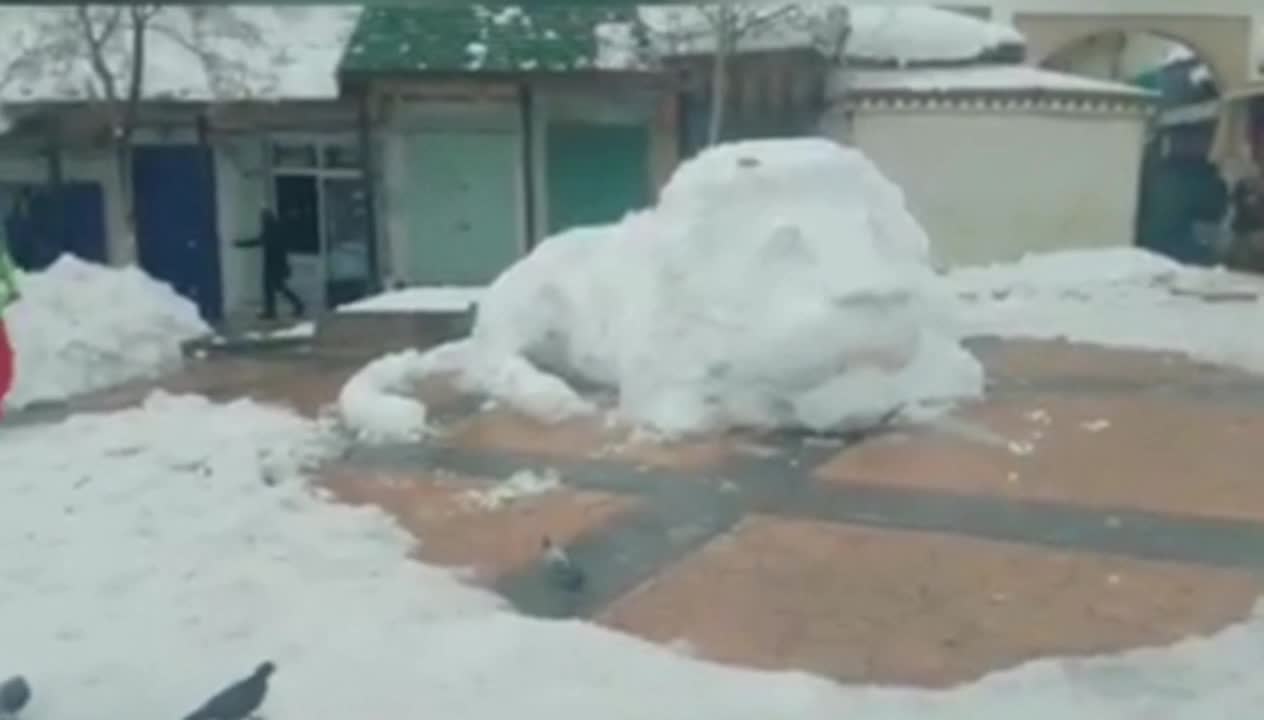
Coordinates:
(127, 131)
(724, 41)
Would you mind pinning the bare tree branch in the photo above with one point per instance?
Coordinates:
(97, 48)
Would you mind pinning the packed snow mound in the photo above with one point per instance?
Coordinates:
(1067, 270)
(1123, 298)
(925, 34)
(79, 326)
(778, 283)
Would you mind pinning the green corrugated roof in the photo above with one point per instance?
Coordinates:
(478, 38)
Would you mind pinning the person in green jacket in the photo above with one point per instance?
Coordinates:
(8, 295)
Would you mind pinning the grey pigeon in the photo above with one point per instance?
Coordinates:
(15, 693)
(239, 700)
(562, 571)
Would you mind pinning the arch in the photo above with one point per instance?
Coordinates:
(1222, 42)
(1057, 54)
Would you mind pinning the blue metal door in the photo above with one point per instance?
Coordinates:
(41, 226)
(83, 205)
(176, 235)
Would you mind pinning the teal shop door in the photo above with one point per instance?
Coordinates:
(462, 195)
(596, 173)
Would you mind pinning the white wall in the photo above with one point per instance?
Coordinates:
(991, 186)
(241, 186)
(31, 166)
(1256, 71)
(238, 192)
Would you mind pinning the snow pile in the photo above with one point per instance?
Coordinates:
(777, 283)
(208, 52)
(437, 299)
(924, 34)
(1123, 297)
(901, 35)
(373, 403)
(80, 327)
(522, 484)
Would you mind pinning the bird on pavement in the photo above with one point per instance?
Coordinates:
(239, 700)
(15, 693)
(562, 570)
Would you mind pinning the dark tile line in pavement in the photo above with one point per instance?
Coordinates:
(679, 514)
(625, 553)
(1220, 543)
(1228, 391)
(676, 516)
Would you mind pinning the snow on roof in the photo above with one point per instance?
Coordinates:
(924, 34)
(882, 34)
(984, 78)
(194, 53)
(1178, 52)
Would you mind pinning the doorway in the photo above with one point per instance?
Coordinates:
(322, 205)
(177, 238)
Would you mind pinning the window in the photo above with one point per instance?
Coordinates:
(294, 155)
(342, 157)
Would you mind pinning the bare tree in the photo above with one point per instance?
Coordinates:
(723, 29)
(99, 27)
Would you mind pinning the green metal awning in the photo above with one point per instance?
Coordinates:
(479, 39)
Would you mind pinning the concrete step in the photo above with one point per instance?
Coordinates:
(381, 332)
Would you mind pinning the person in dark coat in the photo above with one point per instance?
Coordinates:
(276, 265)
(1248, 223)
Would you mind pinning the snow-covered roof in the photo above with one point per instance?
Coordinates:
(902, 35)
(1178, 52)
(500, 39)
(193, 53)
(924, 34)
(984, 78)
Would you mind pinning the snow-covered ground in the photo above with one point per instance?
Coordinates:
(775, 284)
(80, 327)
(1124, 298)
(151, 555)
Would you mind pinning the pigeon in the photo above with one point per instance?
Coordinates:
(239, 700)
(15, 693)
(561, 569)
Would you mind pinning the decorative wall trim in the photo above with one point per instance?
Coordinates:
(994, 101)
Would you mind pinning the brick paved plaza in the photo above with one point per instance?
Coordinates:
(1098, 500)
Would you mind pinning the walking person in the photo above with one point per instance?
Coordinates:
(1248, 223)
(8, 295)
(276, 265)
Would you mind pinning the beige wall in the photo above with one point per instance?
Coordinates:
(991, 186)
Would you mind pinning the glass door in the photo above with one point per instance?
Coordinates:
(298, 212)
(348, 271)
